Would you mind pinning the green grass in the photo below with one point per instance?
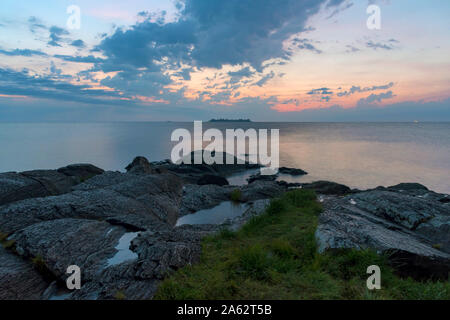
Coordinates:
(119, 295)
(236, 195)
(7, 244)
(39, 263)
(274, 256)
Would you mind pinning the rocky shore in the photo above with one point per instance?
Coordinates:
(120, 227)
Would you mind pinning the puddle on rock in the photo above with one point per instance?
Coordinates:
(216, 215)
(123, 250)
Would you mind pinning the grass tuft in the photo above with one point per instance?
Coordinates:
(236, 195)
(120, 295)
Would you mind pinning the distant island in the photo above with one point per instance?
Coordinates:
(230, 120)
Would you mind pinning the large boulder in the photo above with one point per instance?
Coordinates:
(81, 172)
(140, 165)
(412, 230)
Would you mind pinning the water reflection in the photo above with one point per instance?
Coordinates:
(215, 215)
(123, 250)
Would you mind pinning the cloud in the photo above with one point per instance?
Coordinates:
(144, 83)
(351, 48)
(379, 45)
(237, 76)
(185, 73)
(264, 79)
(78, 43)
(51, 87)
(324, 91)
(214, 33)
(355, 89)
(398, 112)
(338, 9)
(242, 73)
(376, 98)
(305, 44)
(34, 24)
(56, 34)
(80, 59)
(22, 52)
(207, 34)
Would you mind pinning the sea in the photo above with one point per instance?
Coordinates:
(360, 155)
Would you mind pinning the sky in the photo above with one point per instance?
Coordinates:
(183, 60)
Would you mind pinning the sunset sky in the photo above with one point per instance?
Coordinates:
(268, 60)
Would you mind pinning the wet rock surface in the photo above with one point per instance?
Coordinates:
(119, 228)
(78, 215)
(292, 171)
(212, 179)
(42, 183)
(18, 279)
(409, 224)
(327, 187)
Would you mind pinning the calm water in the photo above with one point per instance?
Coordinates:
(216, 215)
(361, 155)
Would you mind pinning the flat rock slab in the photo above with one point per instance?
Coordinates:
(137, 200)
(64, 242)
(411, 228)
(18, 279)
(42, 183)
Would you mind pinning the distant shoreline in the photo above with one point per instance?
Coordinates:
(230, 120)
